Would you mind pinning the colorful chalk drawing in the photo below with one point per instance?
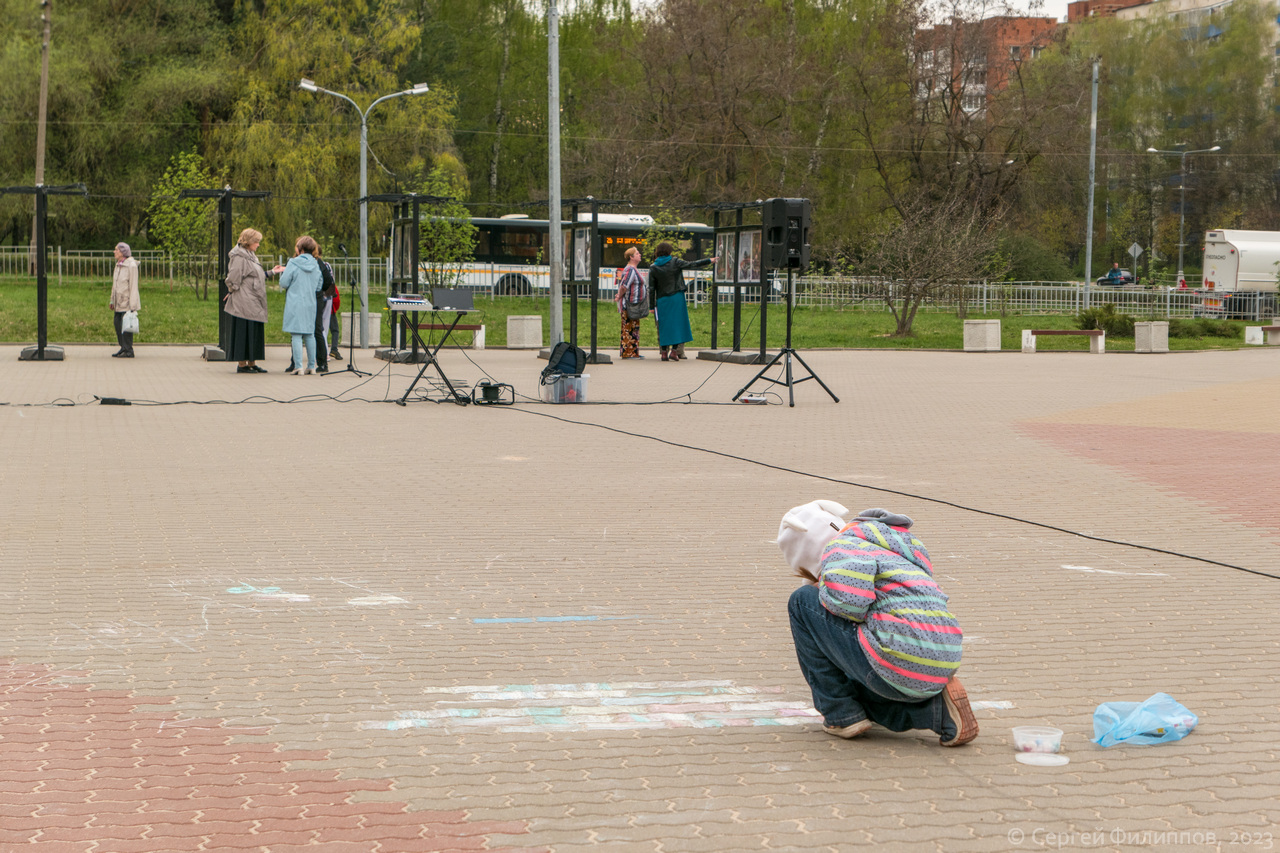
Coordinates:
(272, 593)
(619, 706)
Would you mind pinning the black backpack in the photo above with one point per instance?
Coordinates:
(565, 358)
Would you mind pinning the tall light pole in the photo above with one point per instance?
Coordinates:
(418, 89)
(555, 243)
(1182, 203)
(1093, 156)
(46, 14)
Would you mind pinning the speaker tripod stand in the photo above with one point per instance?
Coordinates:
(785, 355)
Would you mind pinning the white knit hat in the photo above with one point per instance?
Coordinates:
(805, 531)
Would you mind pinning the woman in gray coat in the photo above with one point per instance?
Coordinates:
(246, 303)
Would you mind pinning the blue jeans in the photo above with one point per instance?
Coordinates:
(845, 687)
(299, 342)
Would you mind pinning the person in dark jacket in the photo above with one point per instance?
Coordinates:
(666, 297)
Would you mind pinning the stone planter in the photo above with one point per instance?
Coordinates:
(982, 336)
(524, 331)
(1151, 337)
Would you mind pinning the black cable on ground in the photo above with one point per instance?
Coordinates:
(911, 495)
(65, 401)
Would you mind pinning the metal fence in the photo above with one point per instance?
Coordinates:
(848, 292)
(1008, 297)
(152, 265)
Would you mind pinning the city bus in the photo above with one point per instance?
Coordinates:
(511, 251)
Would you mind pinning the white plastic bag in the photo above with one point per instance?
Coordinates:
(129, 323)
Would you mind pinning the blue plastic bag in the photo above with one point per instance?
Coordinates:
(1160, 719)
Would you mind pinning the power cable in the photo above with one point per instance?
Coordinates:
(911, 495)
(308, 398)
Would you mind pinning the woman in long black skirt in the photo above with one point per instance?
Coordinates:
(246, 304)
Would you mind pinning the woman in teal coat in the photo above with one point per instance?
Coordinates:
(666, 293)
(300, 281)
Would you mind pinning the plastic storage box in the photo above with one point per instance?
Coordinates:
(566, 388)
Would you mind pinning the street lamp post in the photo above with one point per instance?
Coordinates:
(418, 89)
(1182, 203)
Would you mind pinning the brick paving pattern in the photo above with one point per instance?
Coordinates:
(265, 626)
(86, 770)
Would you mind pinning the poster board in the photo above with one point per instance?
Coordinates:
(725, 254)
(749, 246)
(581, 254)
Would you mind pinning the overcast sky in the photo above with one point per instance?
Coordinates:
(1055, 8)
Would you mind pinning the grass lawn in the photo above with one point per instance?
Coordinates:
(78, 313)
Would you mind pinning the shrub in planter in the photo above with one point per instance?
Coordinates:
(1107, 319)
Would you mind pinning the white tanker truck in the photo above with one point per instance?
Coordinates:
(1240, 273)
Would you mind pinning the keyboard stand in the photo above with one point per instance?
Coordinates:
(431, 360)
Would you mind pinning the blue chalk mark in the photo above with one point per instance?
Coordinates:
(238, 590)
(531, 619)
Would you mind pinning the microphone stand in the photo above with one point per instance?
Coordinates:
(351, 329)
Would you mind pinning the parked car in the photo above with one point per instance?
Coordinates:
(1124, 278)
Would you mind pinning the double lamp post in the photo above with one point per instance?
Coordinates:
(1182, 203)
(418, 89)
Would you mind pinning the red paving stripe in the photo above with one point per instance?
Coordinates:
(110, 775)
(1235, 473)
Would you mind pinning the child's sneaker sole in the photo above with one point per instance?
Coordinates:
(958, 708)
(851, 731)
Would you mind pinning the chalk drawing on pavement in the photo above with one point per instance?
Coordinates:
(268, 593)
(991, 705)
(375, 600)
(1092, 570)
(617, 706)
(481, 620)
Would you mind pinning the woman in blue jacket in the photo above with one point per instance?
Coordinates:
(666, 294)
(300, 281)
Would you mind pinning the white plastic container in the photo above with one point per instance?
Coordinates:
(566, 388)
(1037, 739)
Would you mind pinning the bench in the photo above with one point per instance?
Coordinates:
(1272, 333)
(477, 338)
(1097, 338)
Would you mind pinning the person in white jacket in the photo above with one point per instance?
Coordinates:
(124, 296)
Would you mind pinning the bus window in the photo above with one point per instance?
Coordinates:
(523, 244)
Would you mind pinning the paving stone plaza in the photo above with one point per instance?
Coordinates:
(339, 624)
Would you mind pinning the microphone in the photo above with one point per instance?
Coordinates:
(342, 247)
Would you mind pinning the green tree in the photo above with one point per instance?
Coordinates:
(305, 147)
(495, 51)
(664, 230)
(185, 227)
(925, 246)
(446, 237)
(130, 85)
(1196, 82)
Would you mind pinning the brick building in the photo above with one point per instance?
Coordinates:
(964, 63)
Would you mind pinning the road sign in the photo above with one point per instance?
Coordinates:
(1135, 250)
